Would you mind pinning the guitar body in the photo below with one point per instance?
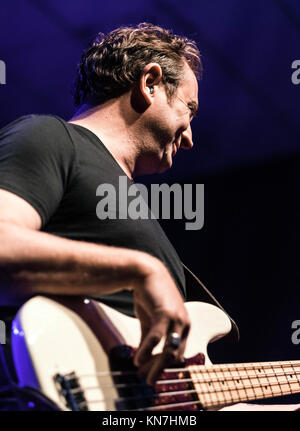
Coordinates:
(89, 343)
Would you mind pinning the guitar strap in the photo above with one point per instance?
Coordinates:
(203, 294)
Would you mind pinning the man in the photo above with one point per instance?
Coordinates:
(136, 92)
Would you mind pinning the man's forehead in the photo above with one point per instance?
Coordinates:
(189, 86)
(189, 79)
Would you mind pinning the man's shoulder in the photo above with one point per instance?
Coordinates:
(46, 132)
(36, 122)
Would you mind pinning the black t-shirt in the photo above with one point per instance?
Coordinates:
(57, 167)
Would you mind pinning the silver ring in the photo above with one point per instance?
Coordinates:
(173, 340)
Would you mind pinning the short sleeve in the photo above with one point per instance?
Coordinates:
(36, 161)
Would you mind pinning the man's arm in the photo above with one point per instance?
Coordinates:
(34, 262)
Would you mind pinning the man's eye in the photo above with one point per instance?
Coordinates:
(192, 112)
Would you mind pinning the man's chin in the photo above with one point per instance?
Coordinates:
(165, 165)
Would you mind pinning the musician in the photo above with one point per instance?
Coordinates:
(136, 93)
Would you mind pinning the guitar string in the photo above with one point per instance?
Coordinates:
(211, 405)
(169, 393)
(203, 368)
(185, 380)
(203, 393)
(164, 406)
(191, 380)
(203, 381)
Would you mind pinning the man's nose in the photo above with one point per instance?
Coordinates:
(187, 139)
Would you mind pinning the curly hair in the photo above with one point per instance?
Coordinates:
(113, 63)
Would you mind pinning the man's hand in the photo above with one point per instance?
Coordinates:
(161, 310)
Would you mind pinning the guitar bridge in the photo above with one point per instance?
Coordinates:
(70, 390)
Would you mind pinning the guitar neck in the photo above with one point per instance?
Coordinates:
(221, 385)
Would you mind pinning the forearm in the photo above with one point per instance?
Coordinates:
(34, 262)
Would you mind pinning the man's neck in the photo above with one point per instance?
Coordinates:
(115, 129)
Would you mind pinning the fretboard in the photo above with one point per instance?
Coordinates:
(220, 385)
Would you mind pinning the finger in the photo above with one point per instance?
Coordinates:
(153, 337)
(145, 322)
(162, 361)
(183, 334)
(143, 370)
(171, 355)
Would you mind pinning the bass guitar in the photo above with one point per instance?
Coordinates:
(79, 354)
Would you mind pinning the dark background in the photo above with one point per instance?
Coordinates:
(246, 138)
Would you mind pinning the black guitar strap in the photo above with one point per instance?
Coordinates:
(203, 294)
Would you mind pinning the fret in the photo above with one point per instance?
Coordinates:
(242, 383)
(251, 389)
(217, 405)
(296, 379)
(272, 376)
(210, 390)
(254, 372)
(212, 394)
(225, 375)
(215, 387)
(290, 377)
(245, 384)
(282, 378)
(253, 365)
(218, 385)
(229, 400)
(264, 380)
(235, 381)
(264, 375)
(200, 386)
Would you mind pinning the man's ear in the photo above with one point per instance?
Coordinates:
(149, 80)
(144, 92)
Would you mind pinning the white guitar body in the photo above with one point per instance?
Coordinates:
(49, 338)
